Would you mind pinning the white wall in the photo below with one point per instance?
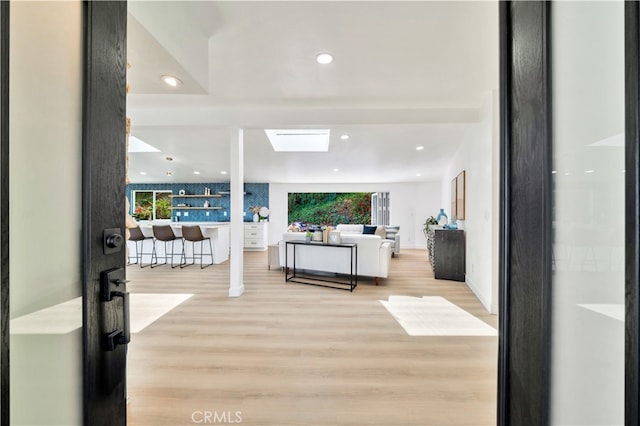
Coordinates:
(46, 210)
(588, 346)
(478, 156)
(411, 204)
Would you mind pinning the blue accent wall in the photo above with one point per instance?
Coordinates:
(257, 194)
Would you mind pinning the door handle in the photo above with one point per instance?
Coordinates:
(110, 282)
(120, 337)
(113, 284)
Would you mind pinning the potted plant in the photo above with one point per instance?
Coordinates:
(428, 224)
(256, 212)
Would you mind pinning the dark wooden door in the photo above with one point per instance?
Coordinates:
(4, 213)
(525, 200)
(105, 298)
(75, 122)
(526, 237)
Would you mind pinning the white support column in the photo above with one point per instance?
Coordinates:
(236, 281)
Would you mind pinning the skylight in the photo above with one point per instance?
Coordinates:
(136, 145)
(299, 140)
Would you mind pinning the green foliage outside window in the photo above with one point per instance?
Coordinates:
(330, 208)
(163, 206)
(143, 208)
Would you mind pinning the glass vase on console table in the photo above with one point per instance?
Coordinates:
(256, 218)
(442, 218)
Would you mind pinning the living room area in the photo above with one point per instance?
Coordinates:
(406, 127)
(407, 102)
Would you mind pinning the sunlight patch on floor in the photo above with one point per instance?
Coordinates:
(149, 307)
(67, 316)
(435, 316)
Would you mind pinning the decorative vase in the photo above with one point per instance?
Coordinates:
(453, 224)
(442, 218)
(256, 218)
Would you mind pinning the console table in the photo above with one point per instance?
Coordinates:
(351, 249)
(447, 254)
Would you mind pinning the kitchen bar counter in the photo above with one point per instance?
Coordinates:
(217, 231)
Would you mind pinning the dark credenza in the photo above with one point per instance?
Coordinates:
(447, 254)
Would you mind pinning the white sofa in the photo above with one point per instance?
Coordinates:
(374, 255)
(392, 234)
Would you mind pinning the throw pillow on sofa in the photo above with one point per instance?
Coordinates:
(371, 230)
(381, 232)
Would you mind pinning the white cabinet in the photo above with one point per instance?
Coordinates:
(255, 236)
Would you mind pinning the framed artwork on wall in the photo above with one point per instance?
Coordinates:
(454, 197)
(460, 195)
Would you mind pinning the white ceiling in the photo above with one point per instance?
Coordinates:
(404, 74)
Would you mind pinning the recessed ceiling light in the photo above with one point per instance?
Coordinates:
(324, 58)
(196, 173)
(418, 174)
(589, 171)
(169, 173)
(419, 148)
(224, 172)
(336, 170)
(344, 137)
(553, 172)
(171, 80)
(143, 173)
(299, 140)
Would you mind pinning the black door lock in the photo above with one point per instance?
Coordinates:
(112, 240)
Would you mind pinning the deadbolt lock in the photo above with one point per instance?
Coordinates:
(112, 240)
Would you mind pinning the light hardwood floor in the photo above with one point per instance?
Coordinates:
(293, 354)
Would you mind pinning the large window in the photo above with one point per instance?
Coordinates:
(151, 205)
(330, 208)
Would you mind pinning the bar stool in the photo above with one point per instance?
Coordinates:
(194, 234)
(136, 235)
(165, 234)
